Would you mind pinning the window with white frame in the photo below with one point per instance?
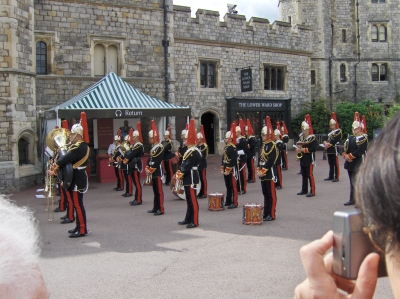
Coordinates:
(274, 77)
(378, 33)
(379, 72)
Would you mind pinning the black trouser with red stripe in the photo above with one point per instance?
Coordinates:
(203, 180)
(120, 181)
(231, 190)
(269, 193)
(278, 182)
(63, 198)
(334, 168)
(158, 194)
(351, 185)
(242, 183)
(80, 212)
(136, 181)
(285, 163)
(168, 171)
(307, 174)
(192, 212)
(70, 206)
(251, 169)
(128, 181)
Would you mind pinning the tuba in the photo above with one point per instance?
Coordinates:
(57, 141)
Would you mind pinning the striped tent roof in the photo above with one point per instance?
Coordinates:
(112, 97)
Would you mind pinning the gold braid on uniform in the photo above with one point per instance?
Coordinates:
(136, 145)
(81, 161)
(153, 152)
(225, 156)
(335, 133)
(264, 155)
(188, 153)
(204, 149)
(361, 139)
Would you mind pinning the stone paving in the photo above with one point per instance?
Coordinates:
(132, 254)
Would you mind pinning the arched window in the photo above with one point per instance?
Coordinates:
(379, 72)
(41, 58)
(382, 33)
(99, 60)
(374, 33)
(23, 151)
(343, 77)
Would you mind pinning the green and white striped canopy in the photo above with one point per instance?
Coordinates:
(112, 97)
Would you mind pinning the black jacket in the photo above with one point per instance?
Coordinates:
(229, 158)
(167, 144)
(251, 147)
(334, 138)
(134, 157)
(356, 148)
(156, 157)
(241, 145)
(203, 148)
(189, 168)
(311, 145)
(77, 155)
(268, 158)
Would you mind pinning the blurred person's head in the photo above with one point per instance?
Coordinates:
(378, 195)
(20, 276)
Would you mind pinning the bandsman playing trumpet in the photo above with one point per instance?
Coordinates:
(355, 149)
(265, 170)
(124, 147)
(228, 168)
(203, 148)
(189, 175)
(113, 162)
(305, 154)
(279, 145)
(168, 155)
(133, 158)
(334, 137)
(154, 170)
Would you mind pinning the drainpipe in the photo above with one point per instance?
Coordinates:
(358, 53)
(330, 70)
(165, 44)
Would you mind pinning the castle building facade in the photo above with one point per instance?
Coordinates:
(51, 51)
(355, 49)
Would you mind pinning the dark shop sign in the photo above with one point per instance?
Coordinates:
(246, 80)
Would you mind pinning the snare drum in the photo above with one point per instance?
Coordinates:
(215, 202)
(252, 214)
(177, 189)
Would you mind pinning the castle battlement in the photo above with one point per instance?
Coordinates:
(236, 29)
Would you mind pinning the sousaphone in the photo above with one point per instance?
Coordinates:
(57, 140)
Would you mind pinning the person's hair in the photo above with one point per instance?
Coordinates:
(19, 251)
(377, 187)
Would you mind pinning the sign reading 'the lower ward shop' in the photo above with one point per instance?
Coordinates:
(246, 80)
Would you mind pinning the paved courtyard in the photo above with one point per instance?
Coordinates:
(132, 254)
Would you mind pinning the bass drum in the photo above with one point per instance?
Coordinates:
(178, 190)
(65, 174)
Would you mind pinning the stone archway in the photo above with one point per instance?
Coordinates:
(210, 123)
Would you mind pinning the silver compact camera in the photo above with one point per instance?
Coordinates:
(351, 245)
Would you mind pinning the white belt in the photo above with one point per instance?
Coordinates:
(81, 167)
(194, 168)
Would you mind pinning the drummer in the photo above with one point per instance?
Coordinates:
(189, 175)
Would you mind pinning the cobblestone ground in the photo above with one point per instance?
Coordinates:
(132, 254)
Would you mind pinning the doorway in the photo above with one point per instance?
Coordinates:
(207, 120)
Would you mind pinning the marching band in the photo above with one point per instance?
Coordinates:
(67, 165)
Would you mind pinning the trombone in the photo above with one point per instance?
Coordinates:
(50, 195)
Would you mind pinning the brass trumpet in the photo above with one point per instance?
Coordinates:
(299, 155)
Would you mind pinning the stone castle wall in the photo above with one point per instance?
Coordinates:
(235, 44)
